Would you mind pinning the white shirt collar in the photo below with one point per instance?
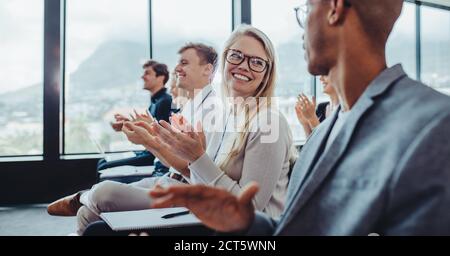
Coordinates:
(201, 96)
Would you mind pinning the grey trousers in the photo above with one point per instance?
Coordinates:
(111, 196)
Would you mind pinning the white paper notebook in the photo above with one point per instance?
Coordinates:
(126, 170)
(148, 219)
(118, 156)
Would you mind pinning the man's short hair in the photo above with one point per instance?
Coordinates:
(159, 68)
(207, 54)
(378, 16)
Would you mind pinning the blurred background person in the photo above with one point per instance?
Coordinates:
(311, 115)
(155, 77)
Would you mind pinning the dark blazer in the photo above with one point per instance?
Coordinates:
(321, 111)
(161, 104)
(386, 172)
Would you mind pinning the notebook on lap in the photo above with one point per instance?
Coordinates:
(150, 219)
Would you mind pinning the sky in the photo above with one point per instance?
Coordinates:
(21, 43)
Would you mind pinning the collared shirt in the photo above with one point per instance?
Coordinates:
(192, 110)
(205, 107)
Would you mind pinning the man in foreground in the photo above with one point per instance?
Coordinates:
(379, 164)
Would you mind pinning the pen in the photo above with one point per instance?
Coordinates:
(171, 215)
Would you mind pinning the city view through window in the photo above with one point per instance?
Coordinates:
(105, 50)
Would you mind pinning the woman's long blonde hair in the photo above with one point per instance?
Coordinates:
(265, 89)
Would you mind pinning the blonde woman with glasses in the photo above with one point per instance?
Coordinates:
(254, 142)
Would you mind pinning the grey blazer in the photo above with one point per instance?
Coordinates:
(387, 171)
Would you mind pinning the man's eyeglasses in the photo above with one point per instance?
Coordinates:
(302, 12)
(236, 57)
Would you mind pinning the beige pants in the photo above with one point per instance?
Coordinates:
(111, 196)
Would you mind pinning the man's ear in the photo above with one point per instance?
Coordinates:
(337, 12)
(160, 79)
(208, 70)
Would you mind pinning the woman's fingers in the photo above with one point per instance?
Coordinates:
(132, 118)
(142, 132)
(169, 127)
(146, 126)
(127, 127)
(298, 109)
(180, 122)
(143, 136)
(174, 136)
(188, 128)
(163, 134)
(136, 113)
(306, 101)
(175, 122)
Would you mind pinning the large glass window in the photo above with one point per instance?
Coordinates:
(435, 34)
(176, 22)
(107, 41)
(401, 46)
(21, 77)
(282, 28)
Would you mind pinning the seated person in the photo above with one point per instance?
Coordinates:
(381, 166)
(195, 69)
(155, 77)
(311, 116)
(243, 150)
(255, 141)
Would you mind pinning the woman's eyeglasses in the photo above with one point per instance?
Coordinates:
(256, 64)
